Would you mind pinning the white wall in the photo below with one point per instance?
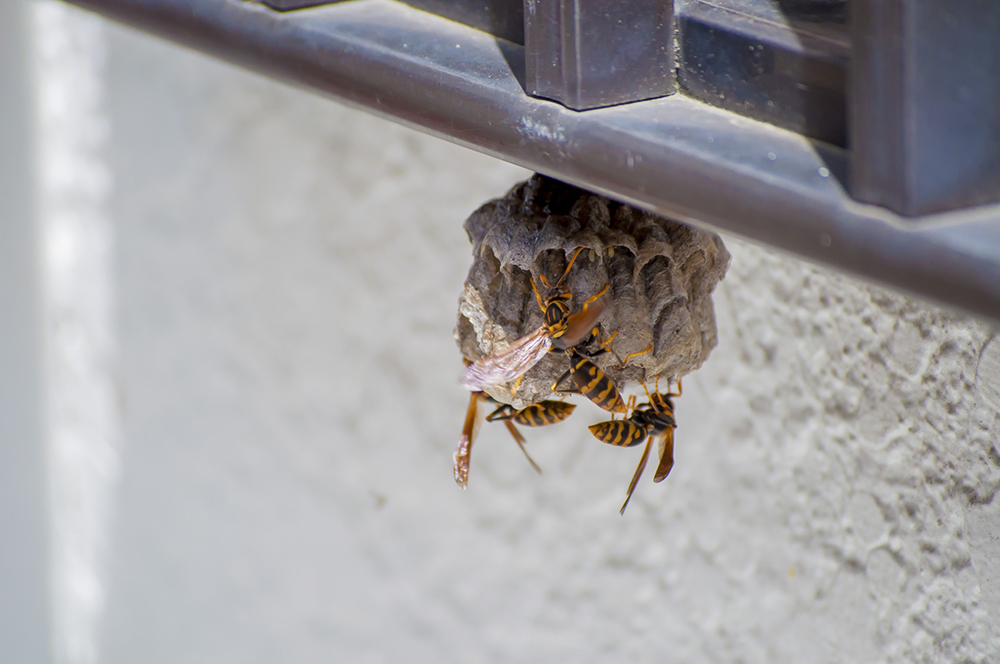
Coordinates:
(286, 279)
(24, 542)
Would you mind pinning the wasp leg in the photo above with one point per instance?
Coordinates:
(592, 298)
(629, 406)
(566, 374)
(604, 346)
(669, 393)
(628, 357)
(638, 473)
(504, 412)
(661, 402)
(519, 439)
(648, 398)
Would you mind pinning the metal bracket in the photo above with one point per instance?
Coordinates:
(925, 110)
(592, 53)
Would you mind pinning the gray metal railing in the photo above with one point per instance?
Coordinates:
(773, 181)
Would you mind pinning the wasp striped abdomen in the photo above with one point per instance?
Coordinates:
(540, 414)
(620, 433)
(594, 385)
(544, 413)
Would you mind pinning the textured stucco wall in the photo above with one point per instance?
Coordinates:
(287, 276)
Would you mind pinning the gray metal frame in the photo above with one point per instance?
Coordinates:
(675, 155)
(592, 53)
(925, 110)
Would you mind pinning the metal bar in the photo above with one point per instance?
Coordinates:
(288, 5)
(677, 156)
(925, 117)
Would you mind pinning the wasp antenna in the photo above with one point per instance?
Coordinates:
(648, 398)
(538, 297)
(569, 265)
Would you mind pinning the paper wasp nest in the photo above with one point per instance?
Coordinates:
(661, 273)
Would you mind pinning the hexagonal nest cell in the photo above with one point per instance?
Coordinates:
(661, 275)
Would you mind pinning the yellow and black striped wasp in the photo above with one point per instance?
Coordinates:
(560, 329)
(537, 415)
(648, 421)
(589, 380)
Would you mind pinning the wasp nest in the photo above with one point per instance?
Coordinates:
(661, 276)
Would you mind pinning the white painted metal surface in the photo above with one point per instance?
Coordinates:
(24, 546)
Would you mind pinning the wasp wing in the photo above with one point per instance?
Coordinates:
(509, 364)
(469, 431)
(666, 455)
(580, 324)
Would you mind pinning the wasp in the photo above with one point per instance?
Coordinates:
(540, 414)
(588, 378)
(537, 415)
(648, 421)
(559, 329)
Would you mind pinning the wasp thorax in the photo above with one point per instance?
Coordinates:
(546, 248)
(555, 316)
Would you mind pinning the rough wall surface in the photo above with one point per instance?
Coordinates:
(288, 271)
